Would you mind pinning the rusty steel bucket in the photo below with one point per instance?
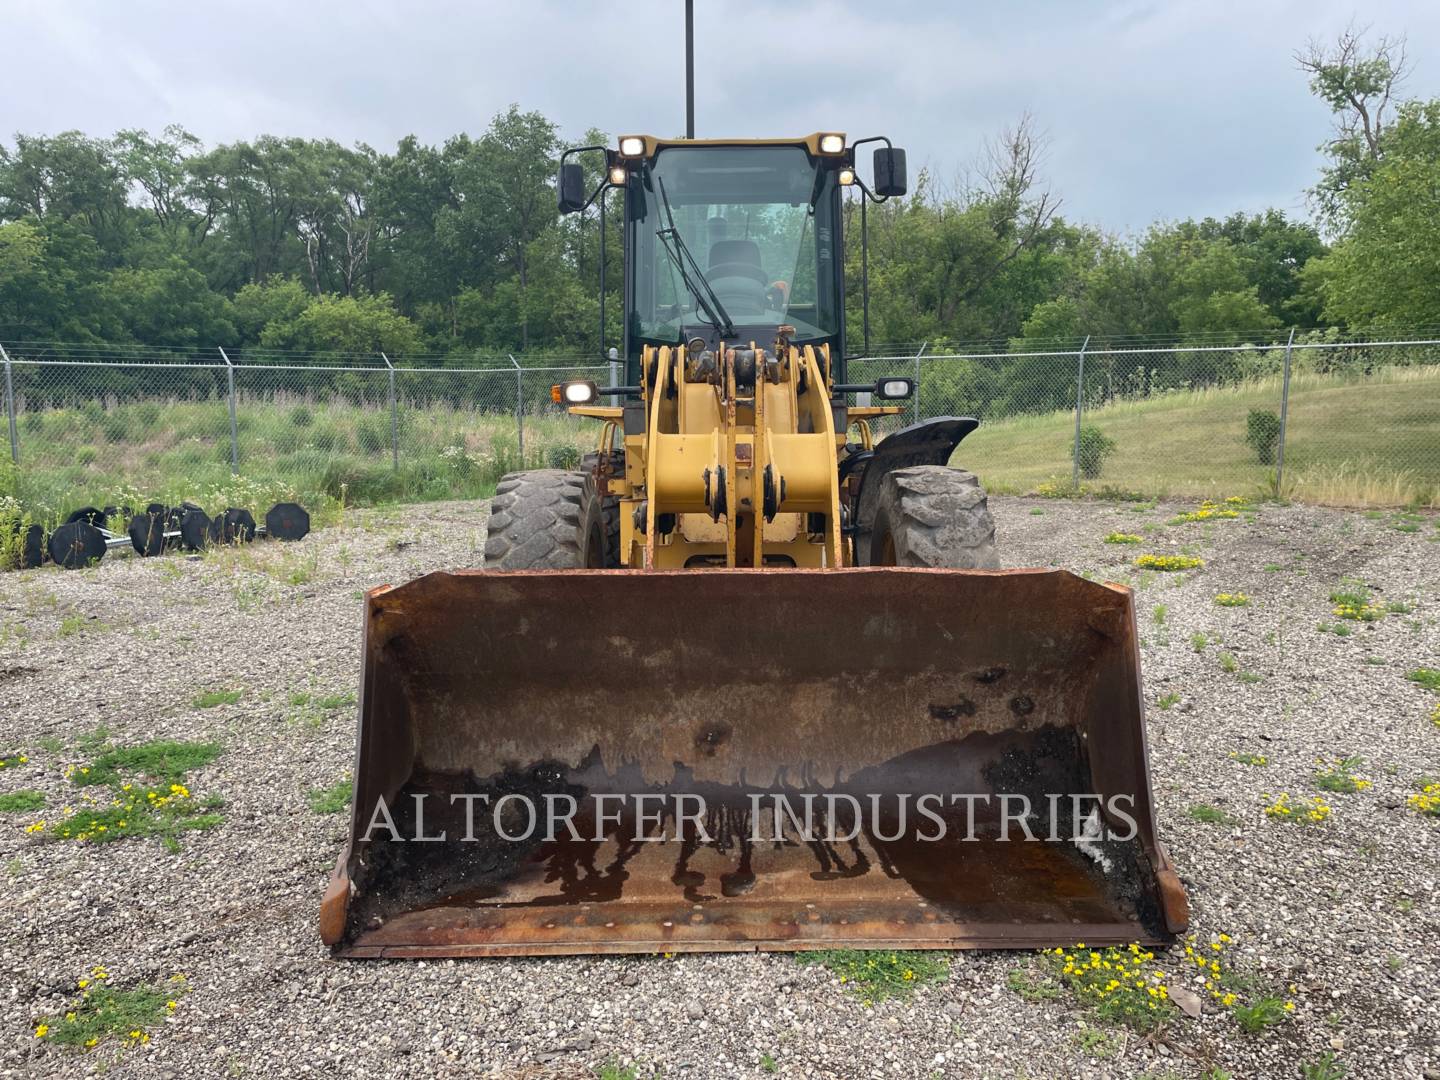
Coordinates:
(743, 756)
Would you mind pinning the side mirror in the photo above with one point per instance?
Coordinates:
(889, 171)
(570, 188)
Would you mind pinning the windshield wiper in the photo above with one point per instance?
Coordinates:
(675, 246)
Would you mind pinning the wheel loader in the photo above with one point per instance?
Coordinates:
(752, 677)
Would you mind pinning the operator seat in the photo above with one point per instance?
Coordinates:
(737, 275)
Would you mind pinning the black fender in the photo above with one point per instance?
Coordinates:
(930, 442)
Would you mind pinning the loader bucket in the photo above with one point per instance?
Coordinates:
(604, 761)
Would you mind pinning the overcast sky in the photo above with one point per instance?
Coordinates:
(1154, 110)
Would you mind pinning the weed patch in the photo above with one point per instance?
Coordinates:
(1340, 775)
(1426, 801)
(21, 802)
(1304, 811)
(1210, 815)
(1168, 563)
(332, 799)
(1429, 678)
(161, 759)
(164, 807)
(1238, 599)
(211, 698)
(106, 1012)
(1124, 538)
(876, 975)
(1209, 511)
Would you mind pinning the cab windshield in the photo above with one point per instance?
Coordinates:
(757, 222)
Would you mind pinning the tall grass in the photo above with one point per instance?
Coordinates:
(1372, 440)
(1353, 440)
(290, 447)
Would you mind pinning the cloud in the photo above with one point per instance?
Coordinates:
(1154, 110)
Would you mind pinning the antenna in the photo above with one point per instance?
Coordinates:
(690, 69)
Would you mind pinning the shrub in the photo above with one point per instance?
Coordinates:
(1094, 447)
(300, 416)
(115, 426)
(562, 457)
(372, 436)
(327, 439)
(1262, 434)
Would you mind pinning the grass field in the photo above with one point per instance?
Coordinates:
(1358, 442)
(1370, 441)
(319, 452)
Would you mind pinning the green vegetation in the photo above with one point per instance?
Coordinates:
(1210, 815)
(160, 241)
(1117, 985)
(1093, 448)
(1429, 678)
(1168, 563)
(1246, 758)
(209, 699)
(1353, 439)
(1168, 701)
(1326, 1067)
(163, 806)
(1340, 776)
(1262, 434)
(105, 1012)
(1032, 986)
(161, 759)
(1264, 1012)
(332, 799)
(14, 802)
(875, 975)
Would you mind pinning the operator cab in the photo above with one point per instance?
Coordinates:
(728, 241)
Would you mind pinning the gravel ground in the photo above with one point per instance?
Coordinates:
(1346, 911)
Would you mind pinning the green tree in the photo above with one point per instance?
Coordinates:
(1385, 272)
(349, 325)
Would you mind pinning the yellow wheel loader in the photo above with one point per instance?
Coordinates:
(751, 678)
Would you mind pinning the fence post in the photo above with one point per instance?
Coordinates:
(1079, 409)
(10, 409)
(923, 346)
(1284, 414)
(394, 416)
(519, 409)
(234, 429)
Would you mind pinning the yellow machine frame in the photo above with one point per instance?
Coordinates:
(695, 491)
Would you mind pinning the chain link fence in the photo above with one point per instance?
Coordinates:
(1326, 421)
(1340, 422)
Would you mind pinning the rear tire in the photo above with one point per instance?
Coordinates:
(932, 515)
(535, 521)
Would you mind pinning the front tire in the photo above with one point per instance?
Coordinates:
(599, 527)
(535, 521)
(932, 515)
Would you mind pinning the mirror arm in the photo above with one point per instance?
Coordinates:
(861, 183)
